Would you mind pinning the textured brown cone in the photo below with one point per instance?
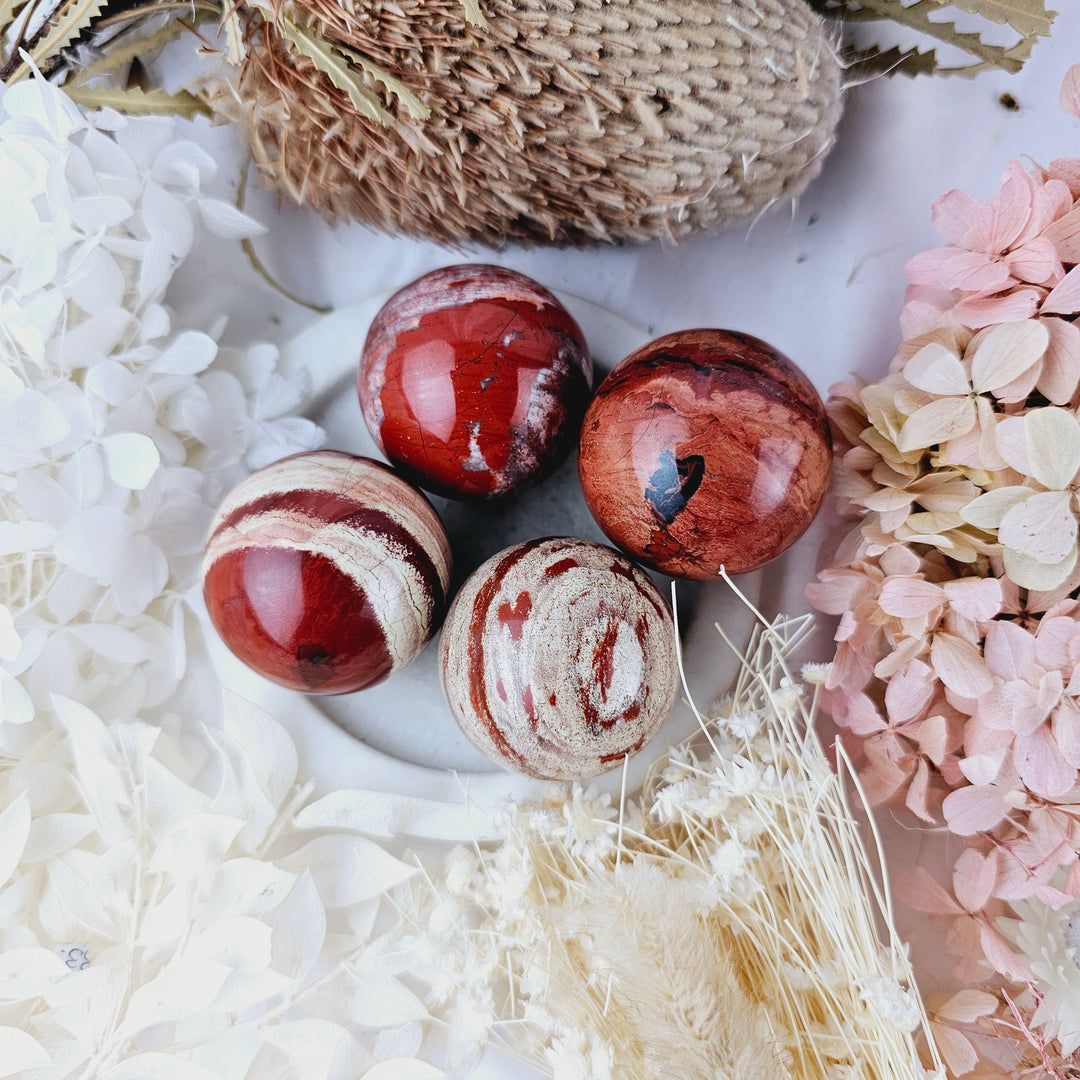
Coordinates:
(563, 122)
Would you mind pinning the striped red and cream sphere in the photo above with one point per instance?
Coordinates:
(326, 572)
(558, 658)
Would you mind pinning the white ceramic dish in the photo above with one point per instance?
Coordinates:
(399, 736)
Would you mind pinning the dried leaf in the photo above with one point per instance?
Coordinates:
(1027, 17)
(116, 56)
(183, 988)
(158, 1067)
(404, 1069)
(348, 869)
(329, 60)
(14, 830)
(372, 812)
(136, 102)
(861, 65)
(72, 18)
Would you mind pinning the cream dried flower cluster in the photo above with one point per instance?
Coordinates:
(725, 925)
(120, 428)
(957, 667)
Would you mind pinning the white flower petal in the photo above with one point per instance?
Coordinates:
(936, 423)
(1053, 446)
(938, 371)
(19, 1050)
(1005, 351)
(32, 422)
(1011, 438)
(10, 640)
(132, 459)
(1029, 573)
(93, 542)
(16, 704)
(1043, 526)
(224, 220)
(987, 511)
(189, 354)
(19, 537)
(142, 577)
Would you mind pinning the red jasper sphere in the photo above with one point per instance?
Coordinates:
(326, 572)
(703, 449)
(473, 381)
(558, 658)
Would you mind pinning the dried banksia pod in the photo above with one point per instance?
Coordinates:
(564, 121)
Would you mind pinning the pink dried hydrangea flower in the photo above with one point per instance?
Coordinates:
(957, 668)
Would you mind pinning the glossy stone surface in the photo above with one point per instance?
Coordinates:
(703, 449)
(558, 658)
(326, 572)
(473, 381)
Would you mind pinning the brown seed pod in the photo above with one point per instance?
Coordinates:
(556, 121)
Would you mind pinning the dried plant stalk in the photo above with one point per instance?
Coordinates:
(571, 122)
(727, 926)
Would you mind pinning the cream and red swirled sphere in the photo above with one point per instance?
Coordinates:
(326, 572)
(558, 658)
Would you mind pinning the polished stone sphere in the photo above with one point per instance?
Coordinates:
(702, 449)
(558, 658)
(474, 380)
(326, 572)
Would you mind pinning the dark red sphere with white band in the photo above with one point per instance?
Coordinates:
(474, 380)
(703, 449)
(326, 572)
(558, 658)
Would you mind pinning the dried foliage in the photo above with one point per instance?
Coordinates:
(1028, 18)
(724, 926)
(957, 668)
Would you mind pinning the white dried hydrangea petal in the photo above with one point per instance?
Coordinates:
(1053, 446)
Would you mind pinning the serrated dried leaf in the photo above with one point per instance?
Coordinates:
(136, 102)
(333, 64)
(1024, 16)
(235, 49)
(117, 56)
(69, 21)
(413, 105)
(864, 64)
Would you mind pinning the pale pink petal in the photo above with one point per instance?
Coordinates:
(956, 1049)
(1042, 526)
(973, 810)
(983, 769)
(1061, 365)
(974, 878)
(998, 708)
(1067, 170)
(908, 598)
(973, 272)
(1015, 306)
(909, 692)
(919, 890)
(1053, 446)
(889, 763)
(991, 226)
(1065, 726)
(1054, 641)
(960, 666)
(936, 370)
(967, 1006)
(1001, 957)
(1008, 650)
(861, 715)
(937, 422)
(933, 738)
(1064, 234)
(1069, 95)
(1002, 353)
(1036, 261)
(1064, 298)
(900, 561)
(918, 789)
(977, 599)
(1041, 766)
